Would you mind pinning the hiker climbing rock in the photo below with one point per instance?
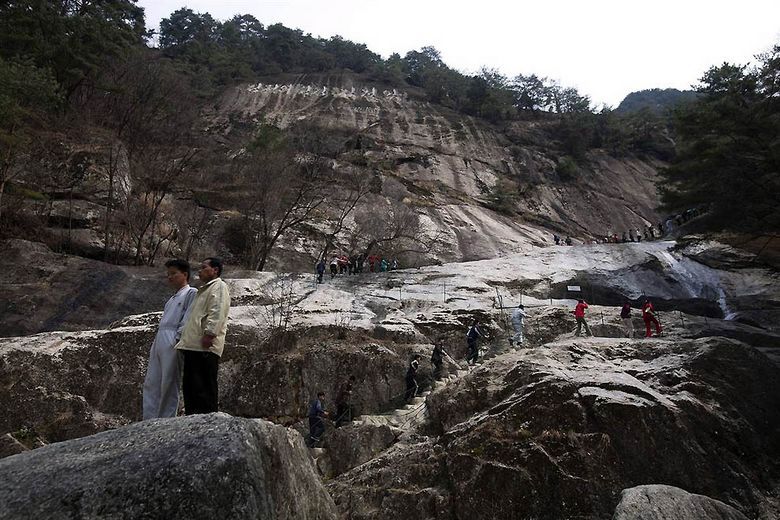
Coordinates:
(648, 315)
(320, 269)
(579, 315)
(625, 317)
(411, 378)
(472, 340)
(518, 317)
(344, 402)
(437, 360)
(317, 415)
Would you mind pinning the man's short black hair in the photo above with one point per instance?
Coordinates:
(216, 263)
(180, 265)
(320, 394)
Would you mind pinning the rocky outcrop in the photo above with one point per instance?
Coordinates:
(195, 467)
(560, 430)
(657, 502)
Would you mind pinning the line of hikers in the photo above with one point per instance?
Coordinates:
(648, 316)
(354, 264)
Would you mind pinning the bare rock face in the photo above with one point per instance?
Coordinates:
(558, 431)
(45, 291)
(210, 466)
(656, 502)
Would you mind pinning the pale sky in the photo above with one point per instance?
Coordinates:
(604, 48)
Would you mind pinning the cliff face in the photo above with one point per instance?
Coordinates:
(452, 167)
(479, 190)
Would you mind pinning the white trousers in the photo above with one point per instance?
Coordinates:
(161, 386)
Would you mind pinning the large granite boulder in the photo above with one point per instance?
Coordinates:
(208, 466)
(658, 502)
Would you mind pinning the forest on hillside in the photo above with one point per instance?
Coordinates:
(83, 70)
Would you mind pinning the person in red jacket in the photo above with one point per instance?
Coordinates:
(648, 314)
(579, 315)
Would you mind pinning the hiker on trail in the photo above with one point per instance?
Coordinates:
(638, 235)
(579, 315)
(631, 235)
(568, 241)
(316, 415)
(161, 385)
(518, 316)
(383, 265)
(394, 265)
(648, 315)
(344, 402)
(625, 317)
(371, 263)
(342, 262)
(437, 360)
(472, 340)
(360, 261)
(334, 266)
(320, 269)
(203, 340)
(557, 239)
(411, 378)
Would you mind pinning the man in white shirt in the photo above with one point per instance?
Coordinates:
(518, 323)
(161, 386)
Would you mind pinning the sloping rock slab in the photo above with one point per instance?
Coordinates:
(658, 502)
(208, 466)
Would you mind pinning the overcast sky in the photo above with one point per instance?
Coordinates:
(605, 48)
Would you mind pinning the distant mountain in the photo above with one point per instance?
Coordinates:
(655, 99)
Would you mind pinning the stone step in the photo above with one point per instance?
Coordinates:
(318, 452)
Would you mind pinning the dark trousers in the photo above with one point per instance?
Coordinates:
(199, 383)
(316, 429)
(580, 322)
(319, 276)
(411, 388)
(473, 351)
(343, 414)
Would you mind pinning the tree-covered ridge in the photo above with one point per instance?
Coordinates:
(728, 149)
(655, 100)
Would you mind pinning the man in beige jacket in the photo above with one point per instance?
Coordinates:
(203, 340)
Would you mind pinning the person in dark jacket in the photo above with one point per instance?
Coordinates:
(625, 317)
(320, 269)
(316, 423)
(437, 360)
(411, 378)
(344, 402)
(472, 340)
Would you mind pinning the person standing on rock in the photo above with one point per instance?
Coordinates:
(344, 402)
(203, 340)
(320, 269)
(472, 340)
(161, 385)
(411, 378)
(625, 317)
(579, 316)
(334, 266)
(648, 315)
(316, 423)
(518, 323)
